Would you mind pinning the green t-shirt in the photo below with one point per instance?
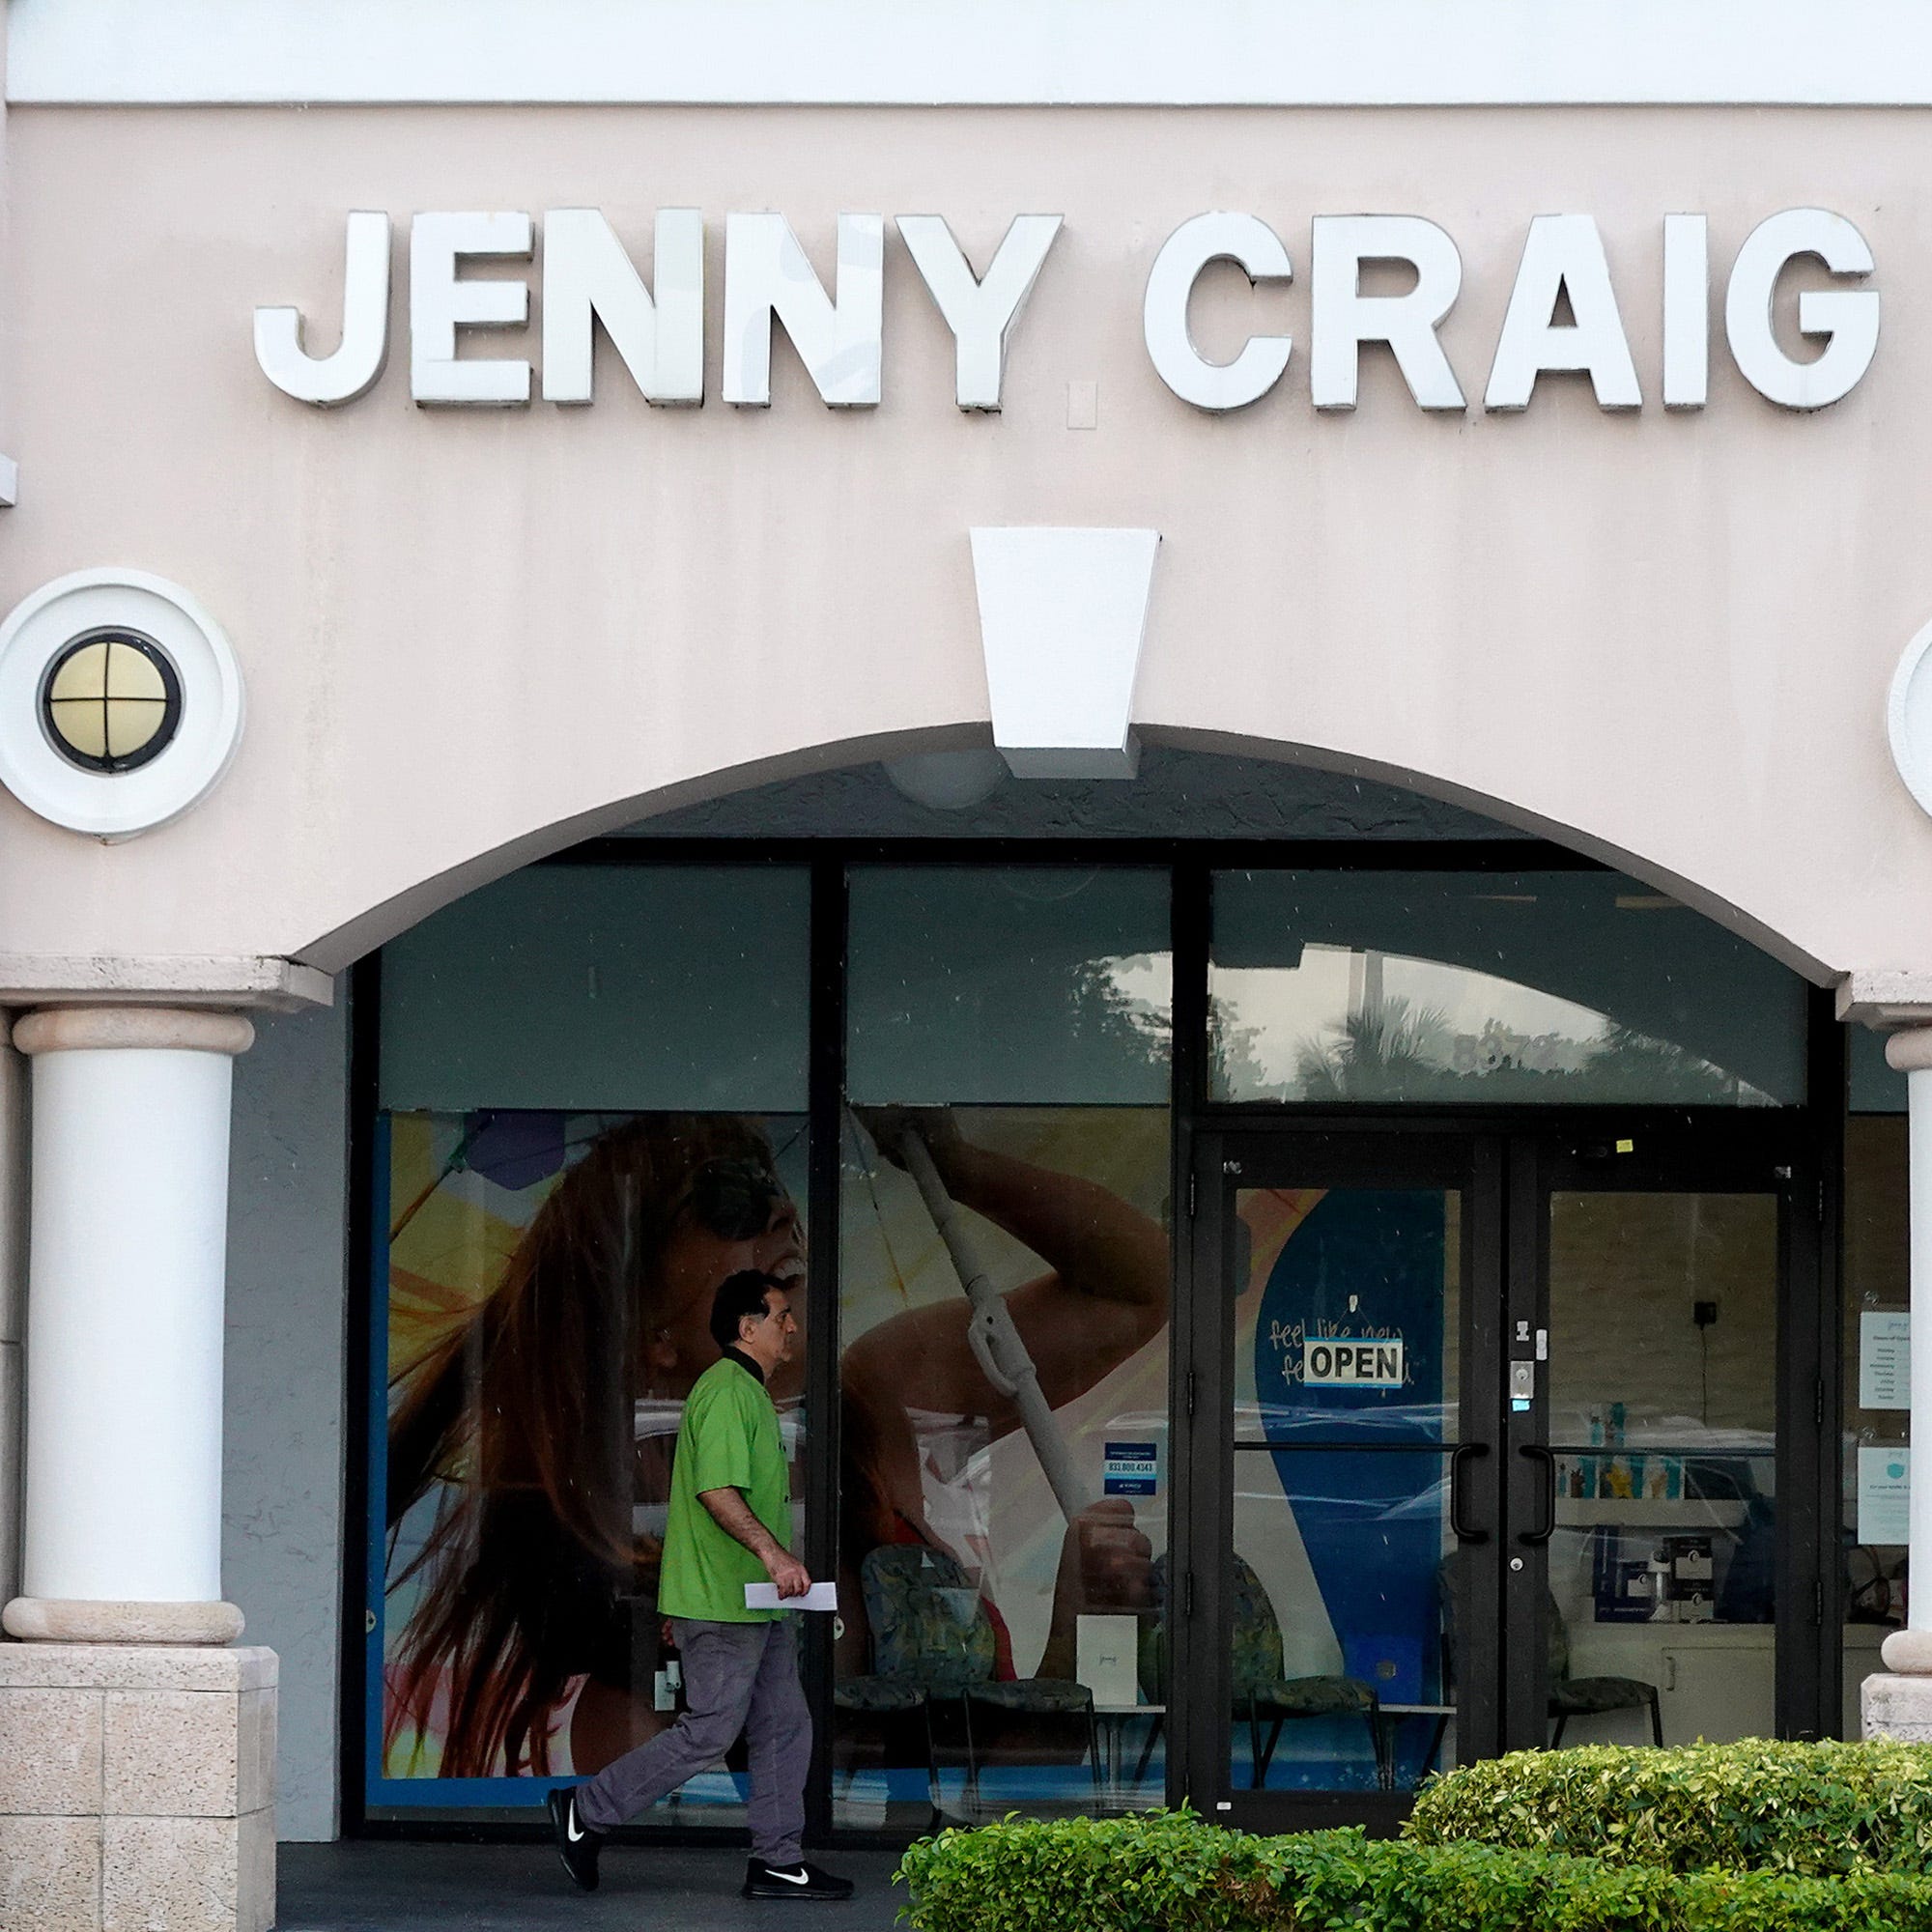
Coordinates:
(728, 1440)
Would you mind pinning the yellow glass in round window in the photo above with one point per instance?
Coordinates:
(82, 673)
(107, 702)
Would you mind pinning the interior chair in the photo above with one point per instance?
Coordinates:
(931, 1638)
(1261, 1692)
(1569, 1696)
(1588, 1696)
(897, 1718)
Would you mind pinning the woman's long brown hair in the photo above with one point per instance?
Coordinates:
(524, 1414)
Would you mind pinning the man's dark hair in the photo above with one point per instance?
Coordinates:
(738, 1296)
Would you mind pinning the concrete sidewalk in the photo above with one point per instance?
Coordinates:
(364, 1887)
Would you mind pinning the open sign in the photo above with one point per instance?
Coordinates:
(1347, 1361)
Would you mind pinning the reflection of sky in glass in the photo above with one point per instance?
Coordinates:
(1449, 1024)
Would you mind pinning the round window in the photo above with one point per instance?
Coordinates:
(111, 701)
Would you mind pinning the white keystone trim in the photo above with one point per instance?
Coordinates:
(1063, 614)
(958, 53)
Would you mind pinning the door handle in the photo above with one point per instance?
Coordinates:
(1464, 1454)
(1535, 1452)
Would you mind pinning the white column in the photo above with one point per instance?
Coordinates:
(128, 1234)
(1910, 1651)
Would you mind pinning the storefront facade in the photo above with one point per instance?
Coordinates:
(1225, 741)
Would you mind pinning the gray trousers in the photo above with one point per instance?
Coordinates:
(737, 1677)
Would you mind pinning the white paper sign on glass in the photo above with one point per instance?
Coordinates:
(765, 1596)
(1885, 1358)
(1884, 1494)
(1107, 1659)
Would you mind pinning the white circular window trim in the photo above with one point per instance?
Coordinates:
(117, 804)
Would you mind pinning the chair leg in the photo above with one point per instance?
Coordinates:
(1094, 1750)
(1257, 1765)
(1562, 1718)
(1268, 1752)
(931, 1767)
(1382, 1742)
(972, 1761)
(1656, 1720)
(1146, 1750)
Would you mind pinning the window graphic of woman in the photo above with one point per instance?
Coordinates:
(532, 1593)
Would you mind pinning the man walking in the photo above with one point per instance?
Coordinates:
(728, 1526)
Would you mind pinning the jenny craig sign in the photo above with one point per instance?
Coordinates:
(588, 277)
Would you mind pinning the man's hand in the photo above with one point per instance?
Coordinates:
(785, 1571)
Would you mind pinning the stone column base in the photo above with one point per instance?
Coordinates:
(137, 1788)
(1897, 1707)
(50, 1620)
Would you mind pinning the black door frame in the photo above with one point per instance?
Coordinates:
(1231, 1158)
(1513, 1160)
(1768, 1154)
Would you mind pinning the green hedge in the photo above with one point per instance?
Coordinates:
(1816, 1810)
(1170, 1872)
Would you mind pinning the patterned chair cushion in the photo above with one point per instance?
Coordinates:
(1039, 1695)
(1254, 1646)
(928, 1626)
(1255, 1654)
(878, 1696)
(1574, 1696)
(1255, 1642)
(1314, 1698)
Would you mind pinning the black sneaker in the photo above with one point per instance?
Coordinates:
(798, 1880)
(577, 1843)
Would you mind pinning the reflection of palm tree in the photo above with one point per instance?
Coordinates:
(1625, 1059)
(1105, 1015)
(1379, 1053)
(1395, 1050)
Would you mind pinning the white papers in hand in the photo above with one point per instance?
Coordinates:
(765, 1596)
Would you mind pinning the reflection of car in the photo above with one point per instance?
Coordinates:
(1427, 1503)
(1284, 1424)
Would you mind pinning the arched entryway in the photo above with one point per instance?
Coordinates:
(1261, 1026)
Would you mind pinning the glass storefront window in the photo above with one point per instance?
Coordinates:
(1546, 987)
(592, 1105)
(611, 987)
(1037, 984)
(1877, 1468)
(1003, 1283)
(591, 1112)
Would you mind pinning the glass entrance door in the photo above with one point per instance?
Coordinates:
(1352, 1486)
(1645, 1446)
(1488, 1437)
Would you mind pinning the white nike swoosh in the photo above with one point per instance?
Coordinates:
(570, 1830)
(803, 1878)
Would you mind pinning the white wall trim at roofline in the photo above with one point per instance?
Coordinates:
(972, 52)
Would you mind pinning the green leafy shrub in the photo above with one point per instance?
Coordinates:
(1143, 1873)
(1170, 1872)
(1814, 1810)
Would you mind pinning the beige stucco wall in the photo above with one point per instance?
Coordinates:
(470, 637)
